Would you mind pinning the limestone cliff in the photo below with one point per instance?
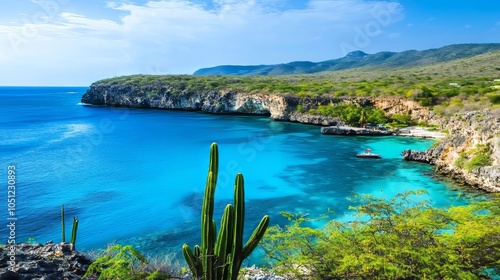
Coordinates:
(474, 137)
(278, 107)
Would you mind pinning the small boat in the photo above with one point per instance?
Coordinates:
(368, 154)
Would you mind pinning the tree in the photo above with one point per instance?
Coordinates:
(402, 238)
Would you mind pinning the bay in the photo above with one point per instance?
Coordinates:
(137, 176)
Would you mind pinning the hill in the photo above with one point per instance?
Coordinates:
(358, 59)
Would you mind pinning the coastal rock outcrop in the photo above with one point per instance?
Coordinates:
(36, 261)
(471, 152)
(346, 130)
(413, 155)
(278, 107)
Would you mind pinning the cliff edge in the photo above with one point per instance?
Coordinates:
(279, 107)
(471, 151)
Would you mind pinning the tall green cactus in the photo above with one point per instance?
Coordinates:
(73, 231)
(221, 256)
(63, 239)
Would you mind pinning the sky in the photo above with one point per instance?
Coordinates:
(75, 43)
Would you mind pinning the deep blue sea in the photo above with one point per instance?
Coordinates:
(138, 176)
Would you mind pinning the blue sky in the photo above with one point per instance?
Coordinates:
(70, 42)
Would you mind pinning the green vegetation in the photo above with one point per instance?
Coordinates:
(475, 158)
(480, 157)
(351, 114)
(220, 256)
(449, 87)
(403, 238)
(126, 263)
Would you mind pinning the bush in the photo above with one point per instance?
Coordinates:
(479, 160)
(494, 98)
(402, 238)
(461, 160)
(126, 263)
(404, 119)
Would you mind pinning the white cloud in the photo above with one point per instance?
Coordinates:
(177, 36)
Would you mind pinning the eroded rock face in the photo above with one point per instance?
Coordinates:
(413, 155)
(48, 262)
(342, 130)
(278, 107)
(467, 131)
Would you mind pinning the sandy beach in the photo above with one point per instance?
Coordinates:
(422, 132)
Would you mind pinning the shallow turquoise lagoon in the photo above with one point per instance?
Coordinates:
(138, 176)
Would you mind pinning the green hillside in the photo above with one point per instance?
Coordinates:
(358, 59)
(448, 87)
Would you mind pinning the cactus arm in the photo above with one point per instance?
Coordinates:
(207, 228)
(192, 260)
(74, 230)
(239, 218)
(63, 239)
(257, 235)
(207, 223)
(197, 251)
(214, 161)
(223, 245)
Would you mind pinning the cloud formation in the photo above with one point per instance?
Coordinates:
(178, 36)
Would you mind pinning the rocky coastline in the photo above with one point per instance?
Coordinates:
(50, 261)
(347, 130)
(466, 131)
(277, 107)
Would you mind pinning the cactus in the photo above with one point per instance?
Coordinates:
(63, 226)
(73, 230)
(221, 256)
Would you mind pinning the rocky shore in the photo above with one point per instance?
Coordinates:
(470, 134)
(347, 130)
(62, 262)
(277, 107)
(43, 262)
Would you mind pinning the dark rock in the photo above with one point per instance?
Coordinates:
(49, 261)
(419, 156)
(346, 130)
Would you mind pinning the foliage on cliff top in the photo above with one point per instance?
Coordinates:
(403, 238)
(465, 84)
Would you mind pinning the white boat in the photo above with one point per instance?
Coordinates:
(368, 154)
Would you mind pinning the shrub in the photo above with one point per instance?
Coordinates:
(494, 98)
(402, 238)
(461, 160)
(479, 160)
(402, 119)
(126, 263)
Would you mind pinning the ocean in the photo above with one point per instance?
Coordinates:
(137, 176)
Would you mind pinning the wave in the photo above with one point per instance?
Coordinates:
(83, 104)
(73, 130)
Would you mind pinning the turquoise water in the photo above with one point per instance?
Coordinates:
(138, 176)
